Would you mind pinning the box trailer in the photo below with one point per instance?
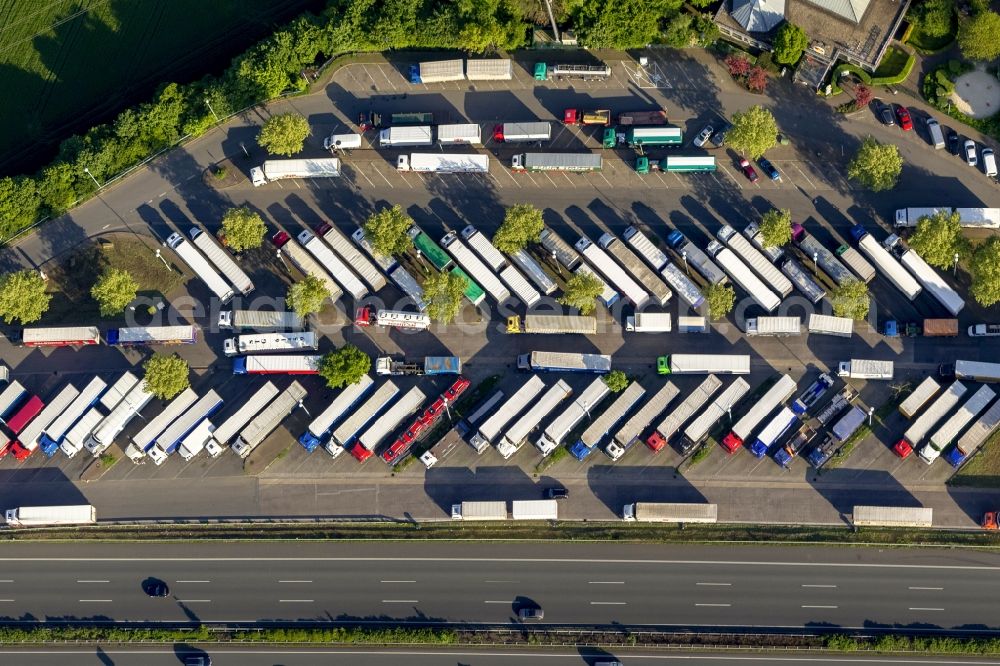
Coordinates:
(632, 429)
(467, 134)
(556, 431)
(943, 404)
(518, 432)
(940, 328)
(370, 316)
(908, 217)
(752, 232)
(826, 325)
(196, 441)
(704, 364)
(53, 433)
(386, 423)
(671, 512)
(409, 286)
(645, 248)
(482, 246)
(975, 436)
(608, 296)
(779, 424)
(664, 135)
(268, 420)
(800, 278)
(691, 255)
(924, 392)
(675, 420)
(608, 419)
(333, 265)
(773, 326)
(227, 430)
(648, 322)
(221, 259)
(520, 286)
(560, 250)
(29, 438)
(344, 434)
(698, 429)
(104, 434)
(143, 440)
(317, 167)
(926, 276)
(277, 364)
(200, 266)
(682, 284)
(479, 511)
(402, 136)
(259, 343)
(387, 264)
(781, 391)
(977, 371)
(577, 162)
(745, 250)
(437, 71)
(261, 320)
(289, 247)
(534, 271)
(152, 335)
(171, 438)
(538, 361)
(494, 69)
(534, 132)
(44, 516)
(489, 431)
(849, 423)
(634, 265)
(820, 256)
(534, 509)
(974, 218)
(886, 263)
(892, 516)
(552, 324)
(861, 368)
(479, 271)
(76, 438)
(856, 263)
(607, 267)
(443, 163)
(947, 433)
(744, 277)
(351, 256)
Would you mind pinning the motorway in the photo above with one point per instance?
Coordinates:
(586, 585)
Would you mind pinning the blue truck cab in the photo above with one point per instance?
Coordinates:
(675, 239)
(858, 232)
(415, 73)
(955, 457)
(783, 457)
(580, 450)
(758, 448)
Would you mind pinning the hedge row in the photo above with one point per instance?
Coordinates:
(870, 80)
(111, 634)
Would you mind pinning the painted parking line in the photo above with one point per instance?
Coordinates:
(361, 173)
(376, 169)
(731, 176)
(811, 184)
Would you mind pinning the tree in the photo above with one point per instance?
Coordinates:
(23, 297)
(738, 66)
(776, 227)
(876, 165)
(166, 375)
(284, 134)
(522, 224)
(985, 271)
(862, 96)
(679, 33)
(754, 131)
(113, 291)
(757, 80)
(307, 295)
(443, 293)
(19, 203)
(851, 300)
(242, 229)
(616, 381)
(938, 238)
(620, 24)
(977, 36)
(789, 44)
(345, 366)
(386, 231)
(581, 292)
(720, 298)
(934, 17)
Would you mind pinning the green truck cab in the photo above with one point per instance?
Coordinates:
(541, 71)
(642, 164)
(663, 365)
(609, 138)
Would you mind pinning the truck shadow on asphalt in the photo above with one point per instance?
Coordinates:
(618, 485)
(451, 485)
(38, 486)
(845, 488)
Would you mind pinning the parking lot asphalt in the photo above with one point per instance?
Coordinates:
(694, 90)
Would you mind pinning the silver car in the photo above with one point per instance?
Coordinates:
(970, 152)
(703, 136)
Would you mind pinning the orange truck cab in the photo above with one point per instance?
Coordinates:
(990, 520)
(591, 117)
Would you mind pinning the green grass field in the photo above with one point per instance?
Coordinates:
(68, 64)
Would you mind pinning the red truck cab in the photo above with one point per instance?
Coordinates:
(656, 442)
(581, 117)
(731, 443)
(280, 238)
(902, 448)
(364, 316)
(990, 520)
(360, 453)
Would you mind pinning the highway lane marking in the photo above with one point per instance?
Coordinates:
(294, 581)
(926, 609)
(108, 601)
(501, 581)
(93, 581)
(926, 588)
(715, 584)
(295, 601)
(194, 601)
(397, 581)
(824, 586)
(400, 601)
(820, 607)
(715, 605)
(605, 582)
(608, 603)
(498, 602)
(6, 600)
(9, 580)
(192, 581)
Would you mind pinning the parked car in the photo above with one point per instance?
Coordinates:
(557, 493)
(953, 142)
(719, 138)
(970, 152)
(769, 169)
(703, 136)
(885, 114)
(748, 170)
(903, 116)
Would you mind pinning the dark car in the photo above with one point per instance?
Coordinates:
(155, 587)
(530, 613)
(885, 114)
(719, 138)
(954, 141)
(903, 116)
(769, 169)
(197, 660)
(748, 170)
(556, 493)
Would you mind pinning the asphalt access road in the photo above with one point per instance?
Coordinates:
(574, 584)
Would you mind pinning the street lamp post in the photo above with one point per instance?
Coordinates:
(555, 262)
(954, 269)
(160, 257)
(209, 105)
(87, 171)
(871, 410)
(816, 262)
(684, 256)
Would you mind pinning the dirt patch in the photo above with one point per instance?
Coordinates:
(98, 466)
(223, 175)
(977, 94)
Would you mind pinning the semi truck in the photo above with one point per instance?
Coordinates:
(926, 276)
(479, 511)
(849, 423)
(425, 422)
(743, 276)
(317, 167)
(608, 419)
(538, 361)
(940, 328)
(77, 436)
(947, 433)
(489, 432)
(333, 265)
(534, 271)
(664, 135)
(974, 218)
(892, 516)
(839, 403)
(560, 250)
(459, 134)
(344, 434)
(781, 391)
(403, 136)
(784, 455)
(553, 435)
(168, 441)
(409, 286)
(856, 263)
(924, 392)
(152, 335)
(437, 71)
(195, 441)
(587, 117)
(520, 286)
(675, 420)
(885, 262)
(143, 440)
(474, 267)
(60, 336)
(431, 365)
(53, 434)
(656, 117)
(645, 248)
(800, 278)
(387, 264)
(319, 428)
(371, 316)
(648, 322)
(862, 368)
(975, 370)
(30, 437)
(482, 246)
(633, 264)
(351, 256)
(820, 454)
(682, 284)
(494, 69)
(47, 516)
(259, 343)
(390, 420)
(826, 325)
(277, 364)
(606, 266)
(752, 232)
(632, 429)
(533, 132)
(228, 429)
(691, 255)
(975, 436)
(575, 162)
(943, 404)
(543, 509)
(226, 265)
(260, 320)
(773, 326)
(671, 512)
(518, 432)
(267, 420)
(443, 163)
(552, 324)
(820, 256)
(703, 364)
(779, 424)
(745, 250)
(608, 295)
(812, 395)
(698, 429)
(104, 434)
(288, 247)
(200, 266)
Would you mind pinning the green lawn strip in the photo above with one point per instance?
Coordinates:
(983, 469)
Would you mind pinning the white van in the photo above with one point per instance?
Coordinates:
(934, 129)
(989, 162)
(342, 141)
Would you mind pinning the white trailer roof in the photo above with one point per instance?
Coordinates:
(610, 417)
(890, 268)
(392, 417)
(339, 406)
(802, 281)
(137, 398)
(534, 271)
(639, 421)
(229, 268)
(776, 426)
(29, 436)
(365, 413)
(924, 392)
(238, 420)
(337, 268)
(436, 71)
(320, 167)
(520, 286)
(983, 218)
(978, 370)
(449, 163)
(700, 364)
(694, 401)
(153, 334)
(682, 284)
(645, 247)
(309, 266)
(484, 248)
(51, 334)
(560, 427)
(944, 403)
(634, 265)
(777, 394)
(775, 325)
(613, 272)
(476, 269)
(933, 283)
(75, 409)
(409, 286)
(764, 268)
(534, 509)
(498, 69)
(698, 428)
(145, 437)
(514, 405)
(520, 430)
(564, 252)
(270, 418)
(843, 326)
(892, 516)
(981, 429)
(359, 262)
(194, 415)
(968, 411)
(459, 133)
(419, 135)
(250, 343)
(743, 276)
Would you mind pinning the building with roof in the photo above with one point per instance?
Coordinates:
(856, 31)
